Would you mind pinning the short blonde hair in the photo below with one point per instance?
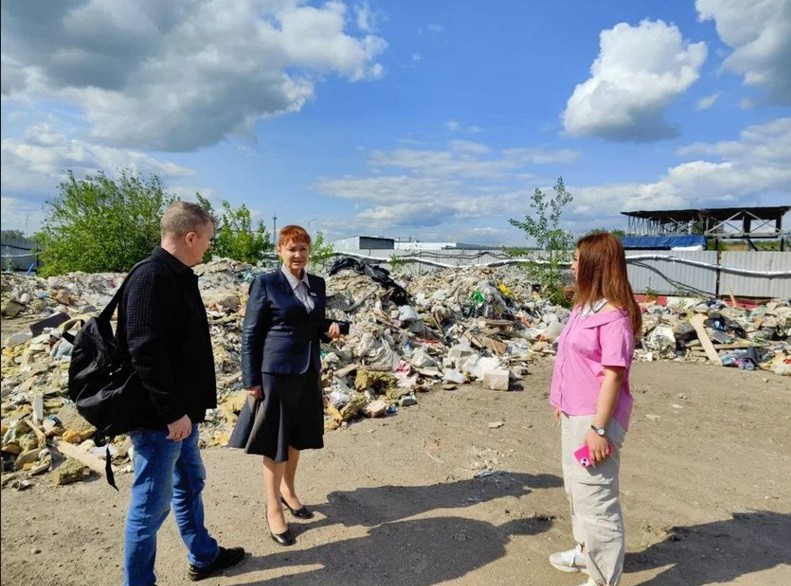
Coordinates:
(183, 217)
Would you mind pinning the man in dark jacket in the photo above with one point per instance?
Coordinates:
(162, 323)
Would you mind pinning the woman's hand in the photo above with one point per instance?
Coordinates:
(255, 392)
(599, 447)
(335, 331)
(556, 413)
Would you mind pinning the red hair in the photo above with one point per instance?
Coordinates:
(601, 274)
(293, 233)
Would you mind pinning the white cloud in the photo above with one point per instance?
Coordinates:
(451, 191)
(460, 184)
(366, 19)
(707, 102)
(21, 214)
(464, 158)
(436, 28)
(33, 165)
(763, 144)
(638, 72)
(540, 156)
(413, 214)
(456, 126)
(187, 193)
(37, 162)
(416, 57)
(183, 74)
(759, 32)
(753, 170)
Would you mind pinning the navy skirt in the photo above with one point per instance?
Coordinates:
(291, 413)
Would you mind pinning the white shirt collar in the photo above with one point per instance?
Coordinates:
(591, 308)
(292, 280)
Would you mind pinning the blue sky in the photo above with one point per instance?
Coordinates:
(433, 120)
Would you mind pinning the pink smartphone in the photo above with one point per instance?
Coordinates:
(584, 457)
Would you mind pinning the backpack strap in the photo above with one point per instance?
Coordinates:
(106, 313)
(109, 309)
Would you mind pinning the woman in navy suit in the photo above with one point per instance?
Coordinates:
(281, 365)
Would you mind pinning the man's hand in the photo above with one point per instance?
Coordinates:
(180, 429)
(255, 392)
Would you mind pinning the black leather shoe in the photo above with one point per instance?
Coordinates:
(225, 559)
(285, 538)
(302, 513)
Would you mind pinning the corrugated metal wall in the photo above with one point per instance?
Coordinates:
(14, 253)
(750, 286)
(661, 273)
(667, 277)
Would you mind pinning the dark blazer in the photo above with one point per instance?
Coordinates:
(162, 324)
(279, 335)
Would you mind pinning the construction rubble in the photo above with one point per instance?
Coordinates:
(410, 334)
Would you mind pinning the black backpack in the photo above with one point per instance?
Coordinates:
(102, 383)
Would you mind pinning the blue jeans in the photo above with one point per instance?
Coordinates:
(165, 471)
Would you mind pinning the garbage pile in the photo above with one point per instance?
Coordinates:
(408, 336)
(711, 331)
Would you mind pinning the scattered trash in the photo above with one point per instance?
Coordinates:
(409, 334)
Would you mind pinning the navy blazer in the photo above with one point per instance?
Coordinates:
(279, 335)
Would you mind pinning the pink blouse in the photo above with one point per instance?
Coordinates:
(585, 347)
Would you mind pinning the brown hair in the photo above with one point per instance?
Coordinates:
(183, 217)
(601, 274)
(293, 233)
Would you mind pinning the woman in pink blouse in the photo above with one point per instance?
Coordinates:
(592, 403)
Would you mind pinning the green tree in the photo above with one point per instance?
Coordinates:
(321, 251)
(543, 226)
(100, 224)
(235, 236)
(12, 235)
(616, 232)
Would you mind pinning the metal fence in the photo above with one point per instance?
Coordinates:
(663, 272)
(17, 254)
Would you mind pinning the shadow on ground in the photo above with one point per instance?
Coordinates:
(717, 552)
(429, 551)
(373, 506)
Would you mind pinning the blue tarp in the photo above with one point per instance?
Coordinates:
(662, 242)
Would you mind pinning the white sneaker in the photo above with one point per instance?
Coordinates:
(590, 582)
(572, 560)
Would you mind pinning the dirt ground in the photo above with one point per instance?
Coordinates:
(705, 481)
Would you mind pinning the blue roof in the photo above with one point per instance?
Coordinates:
(662, 242)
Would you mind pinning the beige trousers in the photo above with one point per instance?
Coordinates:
(596, 517)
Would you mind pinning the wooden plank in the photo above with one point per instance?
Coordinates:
(40, 435)
(697, 323)
(732, 346)
(738, 345)
(95, 463)
(733, 299)
(341, 372)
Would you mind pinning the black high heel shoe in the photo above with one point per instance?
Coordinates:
(286, 538)
(301, 513)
